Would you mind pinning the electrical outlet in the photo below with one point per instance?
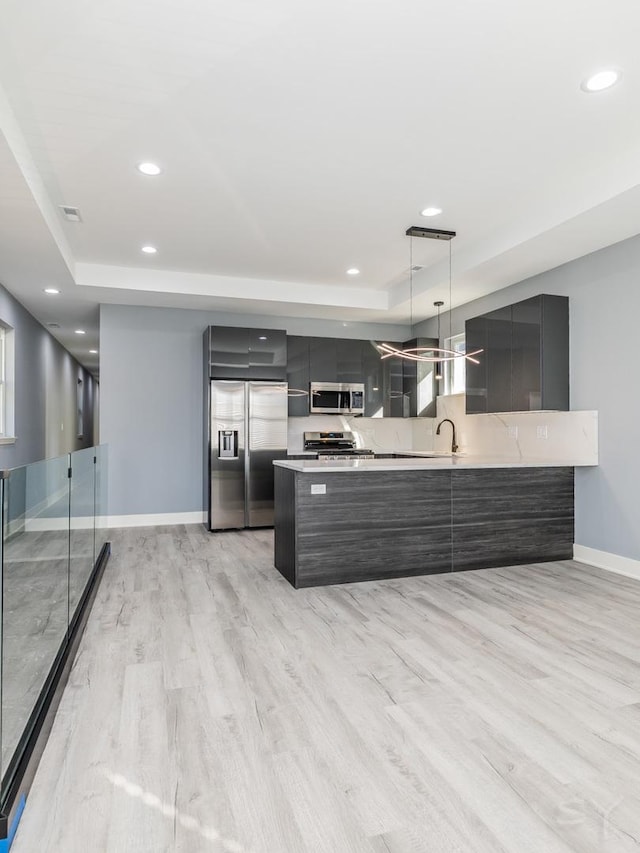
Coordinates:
(318, 489)
(512, 431)
(542, 431)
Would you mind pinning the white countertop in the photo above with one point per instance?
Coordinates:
(423, 463)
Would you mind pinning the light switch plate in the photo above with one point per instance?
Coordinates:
(512, 431)
(318, 489)
(542, 431)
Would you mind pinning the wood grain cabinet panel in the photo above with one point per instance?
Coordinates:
(387, 524)
(509, 516)
(365, 526)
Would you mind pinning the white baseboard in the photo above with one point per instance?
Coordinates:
(156, 519)
(609, 562)
(42, 525)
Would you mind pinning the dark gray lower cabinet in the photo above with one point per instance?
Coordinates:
(366, 525)
(371, 525)
(509, 516)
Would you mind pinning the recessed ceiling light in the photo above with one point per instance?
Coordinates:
(353, 271)
(601, 80)
(52, 290)
(80, 332)
(262, 338)
(431, 211)
(93, 351)
(149, 168)
(149, 250)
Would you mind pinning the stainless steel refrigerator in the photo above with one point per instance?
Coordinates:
(247, 431)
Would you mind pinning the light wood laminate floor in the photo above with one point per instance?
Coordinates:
(214, 708)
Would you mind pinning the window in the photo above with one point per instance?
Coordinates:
(454, 371)
(2, 383)
(6, 385)
(80, 408)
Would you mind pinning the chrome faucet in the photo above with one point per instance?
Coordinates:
(454, 446)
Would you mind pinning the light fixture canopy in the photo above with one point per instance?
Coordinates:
(431, 233)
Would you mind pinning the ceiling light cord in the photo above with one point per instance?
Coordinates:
(450, 303)
(411, 283)
(438, 305)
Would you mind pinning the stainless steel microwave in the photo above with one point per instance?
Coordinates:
(336, 398)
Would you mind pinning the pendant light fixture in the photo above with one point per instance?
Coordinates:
(438, 354)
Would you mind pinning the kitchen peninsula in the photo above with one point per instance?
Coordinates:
(343, 521)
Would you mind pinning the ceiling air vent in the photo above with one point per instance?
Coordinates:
(417, 267)
(53, 325)
(71, 213)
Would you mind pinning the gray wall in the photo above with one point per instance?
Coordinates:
(604, 308)
(151, 380)
(46, 377)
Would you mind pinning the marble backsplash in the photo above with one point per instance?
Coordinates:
(371, 433)
(511, 435)
(566, 436)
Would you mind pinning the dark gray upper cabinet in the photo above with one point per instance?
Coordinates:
(524, 365)
(373, 378)
(298, 375)
(349, 360)
(323, 360)
(395, 405)
(419, 382)
(394, 387)
(335, 360)
(526, 355)
(238, 353)
(499, 361)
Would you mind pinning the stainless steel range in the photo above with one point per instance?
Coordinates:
(335, 445)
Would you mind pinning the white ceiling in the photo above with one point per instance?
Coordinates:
(299, 139)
